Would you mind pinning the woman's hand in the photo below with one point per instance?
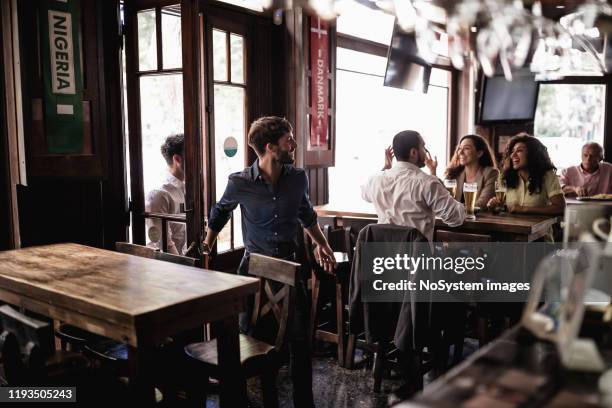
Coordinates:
(516, 209)
(493, 203)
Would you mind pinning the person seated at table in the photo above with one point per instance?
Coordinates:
(531, 181)
(473, 162)
(405, 195)
(593, 176)
(167, 198)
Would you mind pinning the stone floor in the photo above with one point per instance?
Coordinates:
(333, 386)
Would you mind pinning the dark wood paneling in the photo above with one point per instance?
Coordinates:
(53, 211)
(318, 185)
(5, 217)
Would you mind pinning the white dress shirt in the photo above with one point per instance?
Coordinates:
(166, 200)
(404, 195)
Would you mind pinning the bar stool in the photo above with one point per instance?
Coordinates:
(340, 240)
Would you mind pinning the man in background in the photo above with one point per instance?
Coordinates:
(593, 175)
(169, 197)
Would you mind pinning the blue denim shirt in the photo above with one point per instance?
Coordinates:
(270, 214)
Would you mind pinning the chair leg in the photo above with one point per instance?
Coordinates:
(379, 363)
(314, 306)
(340, 323)
(349, 359)
(268, 383)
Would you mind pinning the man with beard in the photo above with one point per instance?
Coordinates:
(404, 195)
(273, 199)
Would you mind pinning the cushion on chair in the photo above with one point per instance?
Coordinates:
(251, 351)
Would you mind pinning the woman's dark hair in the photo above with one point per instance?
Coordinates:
(538, 162)
(486, 160)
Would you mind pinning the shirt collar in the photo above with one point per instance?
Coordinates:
(586, 173)
(171, 179)
(405, 165)
(256, 173)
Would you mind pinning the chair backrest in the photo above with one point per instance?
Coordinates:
(340, 239)
(24, 344)
(151, 253)
(276, 294)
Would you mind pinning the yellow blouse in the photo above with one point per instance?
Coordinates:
(521, 196)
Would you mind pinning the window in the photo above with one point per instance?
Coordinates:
(365, 126)
(229, 92)
(568, 116)
(378, 28)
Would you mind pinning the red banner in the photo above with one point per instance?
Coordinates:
(319, 90)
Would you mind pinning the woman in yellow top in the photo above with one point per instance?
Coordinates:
(474, 162)
(531, 180)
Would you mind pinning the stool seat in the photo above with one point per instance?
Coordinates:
(252, 352)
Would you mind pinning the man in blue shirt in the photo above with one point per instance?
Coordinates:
(273, 199)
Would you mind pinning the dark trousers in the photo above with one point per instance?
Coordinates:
(300, 353)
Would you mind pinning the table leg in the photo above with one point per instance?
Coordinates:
(142, 390)
(232, 382)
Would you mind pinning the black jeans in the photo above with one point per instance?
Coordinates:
(300, 353)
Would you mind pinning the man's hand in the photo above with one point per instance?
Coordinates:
(325, 257)
(580, 191)
(432, 164)
(388, 158)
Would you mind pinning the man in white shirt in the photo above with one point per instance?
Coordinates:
(405, 195)
(168, 198)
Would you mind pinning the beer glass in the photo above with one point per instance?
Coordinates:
(451, 186)
(500, 194)
(469, 197)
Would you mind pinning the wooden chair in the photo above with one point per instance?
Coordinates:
(456, 334)
(257, 357)
(27, 354)
(340, 240)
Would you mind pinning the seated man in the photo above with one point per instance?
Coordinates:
(404, 195)
(593, 176)
(168, 198)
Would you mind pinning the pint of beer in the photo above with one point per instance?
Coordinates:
(451, 186)
(500, 194)
(469, 197)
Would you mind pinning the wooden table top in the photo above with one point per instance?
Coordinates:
(485, 221)
(117, 288)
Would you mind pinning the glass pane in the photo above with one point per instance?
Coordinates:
(360, 144)
(360, 62)
(171, 37)
(161, 109)
(237, 56)
(219, 55)
(147, 41)
(229, 147)
(352, 21)
(568, 116)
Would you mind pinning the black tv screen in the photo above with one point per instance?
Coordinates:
(405, 68)
(509, 101)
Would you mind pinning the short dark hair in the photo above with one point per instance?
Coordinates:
(405, 141)
(267, 129)
(174, 144)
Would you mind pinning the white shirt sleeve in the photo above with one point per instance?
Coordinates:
(158, 201)
(444, 206)
(366, 190)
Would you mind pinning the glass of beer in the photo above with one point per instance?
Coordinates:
(500, 194)
(451, 186)
(469, 197)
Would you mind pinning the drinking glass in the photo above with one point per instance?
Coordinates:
(469, 197)
(500, 194)
(451, 186)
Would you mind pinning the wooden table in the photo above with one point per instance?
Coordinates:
(502, 227)
(134, 300)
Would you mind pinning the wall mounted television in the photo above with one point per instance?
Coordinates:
(504, 101)
(405, 68)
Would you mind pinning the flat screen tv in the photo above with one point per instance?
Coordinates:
(509, 101)
(405, 68)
